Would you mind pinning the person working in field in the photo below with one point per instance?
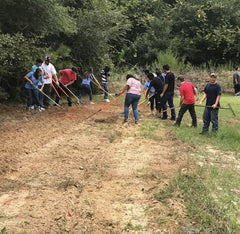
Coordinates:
(85, 86)
(236, 81)
(212, 92)
(31, 86)
(134, 90)
(187, 101)
(157, 84)
(67, 77)
(168, 92)
(104, 77)
(152, 94)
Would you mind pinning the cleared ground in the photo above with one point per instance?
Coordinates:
(61, 172)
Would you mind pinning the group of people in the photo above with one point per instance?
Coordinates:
(43, 78)
(159, 90)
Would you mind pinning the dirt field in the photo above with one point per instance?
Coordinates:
(63, 173)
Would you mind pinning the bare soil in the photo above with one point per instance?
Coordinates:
(62, 172)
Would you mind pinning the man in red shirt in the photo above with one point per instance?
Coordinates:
(187, 101)
(67, 77)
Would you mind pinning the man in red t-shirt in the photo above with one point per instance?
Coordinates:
(67, 77)
(187, 101)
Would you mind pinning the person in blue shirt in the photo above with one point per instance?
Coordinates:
(38, 64)
(31, 86)
(152, 94)
(85, 86)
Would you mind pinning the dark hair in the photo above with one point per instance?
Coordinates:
(166, 67)
(146, 72)
(106, 69)
(39, 60)
(130, 76)
(150, 76)
(181, 78)
(36, 73)
(236, 68)
(74, 69)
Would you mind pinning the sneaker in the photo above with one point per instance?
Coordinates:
(92, 103)
(78, 101)
(41, 108)
(136, 122)
(106, 100)
(31, 107)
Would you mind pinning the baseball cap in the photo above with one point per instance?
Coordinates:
(47, 58)
(213, 74)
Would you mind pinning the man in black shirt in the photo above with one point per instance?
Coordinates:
(168, 93)
(158, 86)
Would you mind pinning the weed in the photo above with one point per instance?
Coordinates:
(4, 231)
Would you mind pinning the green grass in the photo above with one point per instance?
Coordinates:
(211, 192)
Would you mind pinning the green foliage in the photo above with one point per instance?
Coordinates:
(4, 231)
(35, 17)
(17, 55)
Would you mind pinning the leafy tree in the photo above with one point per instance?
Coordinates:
(206, 31)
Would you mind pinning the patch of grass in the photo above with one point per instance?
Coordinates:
(114, 135)
(4, 231)
(69, 182)
(133, 227)
(208, 214)
(149, 129)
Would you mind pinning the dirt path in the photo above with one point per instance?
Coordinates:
(86, 176)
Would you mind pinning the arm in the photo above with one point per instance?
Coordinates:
(97, 82)
(71, 82)
(56, 78)
(203, 98)
(164, 90)
(41, 87)
(196, 93)
(125, 89)
(216, 102)
(27, 78)
(181, 100)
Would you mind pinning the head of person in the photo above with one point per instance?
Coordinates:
(150, 76)
(180, 79)
(146, 72)
(47, 60)
(39, 62)
(166, 67)
(237, 68)
(74, 70)
(106, 69)
(38, 72)
(130, 76)
(213, 78)
(158, 71)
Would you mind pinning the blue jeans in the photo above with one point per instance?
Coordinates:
(131, 99)
(40, 95)
(168, 97)
(32, 93)
(85, 89)
(210, 115)
(105, 86)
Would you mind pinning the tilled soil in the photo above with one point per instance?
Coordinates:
(62, 172)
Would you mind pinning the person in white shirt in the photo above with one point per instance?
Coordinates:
(50, 73)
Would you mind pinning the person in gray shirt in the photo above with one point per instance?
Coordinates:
(236, 81)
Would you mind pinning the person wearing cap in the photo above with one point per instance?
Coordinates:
(212, 92)
(50, 73)
(187, 101)
(160, 75)
(168, 93)
(236, 81)
(67, 77)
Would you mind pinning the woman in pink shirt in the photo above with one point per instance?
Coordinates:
(134, 89)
